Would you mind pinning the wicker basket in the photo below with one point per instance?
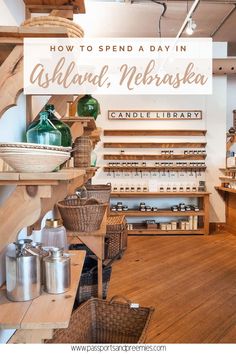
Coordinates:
(100, 321)
(116, 236)
(73, 29)
(101, 192)
(82, 152)
(81, 216)
(88, 285)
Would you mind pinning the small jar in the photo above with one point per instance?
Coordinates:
(54, 234)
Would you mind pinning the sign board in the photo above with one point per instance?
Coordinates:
(118, 66)
(155, 115)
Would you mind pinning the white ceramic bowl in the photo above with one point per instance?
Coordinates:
(6, 145)
(39, 161)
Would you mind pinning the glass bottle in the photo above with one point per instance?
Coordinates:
(88, 107)
(64, 129)
(54, 234)
(44, 132)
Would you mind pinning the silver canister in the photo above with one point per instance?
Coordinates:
(41, 252)
(57, 271)
(23, 273)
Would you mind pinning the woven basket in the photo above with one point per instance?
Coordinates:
(82, 152)
(88, 285)
(101, 192)
(81, 216)
(73, 29)
(100, 321)
(116, 236)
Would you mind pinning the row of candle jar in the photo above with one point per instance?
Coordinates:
(186, 152)
(161, 188)
(191, 224)
(157, 164)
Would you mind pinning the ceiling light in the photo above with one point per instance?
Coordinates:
(191, 26)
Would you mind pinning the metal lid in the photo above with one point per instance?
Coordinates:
(53, 223)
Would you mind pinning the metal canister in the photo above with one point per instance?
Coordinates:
(23, 276)
(57, 272)
(41, 252)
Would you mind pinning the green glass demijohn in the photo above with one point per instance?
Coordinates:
(88, 107)
(64, 129)
(44, 132)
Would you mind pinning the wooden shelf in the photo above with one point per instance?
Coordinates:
(41, 178)
(48, 311)
(83, 126)
(155, 132)
(144, 231)
(151, 169)
(155, 157)
(228, 170)
(89, 123)
(223, 189)
(158, 194)
(37, 31)
(228, 179)
(154, 145)
(159, 213)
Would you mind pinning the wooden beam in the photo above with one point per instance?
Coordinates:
(30, 31)
(63, 13)
(46, 6)
(11, 79)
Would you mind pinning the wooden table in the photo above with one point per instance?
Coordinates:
(36, 319)
(95, 241)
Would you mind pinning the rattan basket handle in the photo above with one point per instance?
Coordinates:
(119, 297)
(91, 201)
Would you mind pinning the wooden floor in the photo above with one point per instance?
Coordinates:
(191, 282)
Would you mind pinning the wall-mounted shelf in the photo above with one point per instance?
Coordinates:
(155, 157)
(227, 179)
(160, 213)
(158, 194)
(152, 169)
(155, 132)
(154, 145)
(224, 189)
(139, 229)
